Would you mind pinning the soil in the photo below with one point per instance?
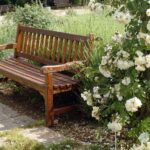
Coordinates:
(73, 125)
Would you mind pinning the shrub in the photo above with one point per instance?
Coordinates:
(33, 15)
(4, 2)
(119, 86)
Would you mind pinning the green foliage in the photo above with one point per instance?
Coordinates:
(142, 126)
(5, 2)
(33, 15)
(120, 60)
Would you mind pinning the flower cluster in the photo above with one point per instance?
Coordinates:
(122, 17)
(120, 82)
(87, 96)
(94, 6)
(142, 62)
(133, 104)
(96, 112)
(144, 36)
(116, 125)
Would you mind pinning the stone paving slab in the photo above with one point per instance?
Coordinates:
(43, 135)
(10, 118)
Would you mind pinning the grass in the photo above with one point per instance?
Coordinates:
(16, 141)
(100, 24)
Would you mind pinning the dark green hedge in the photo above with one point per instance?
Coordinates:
(14, 2)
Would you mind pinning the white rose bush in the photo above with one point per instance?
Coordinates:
(117, 81)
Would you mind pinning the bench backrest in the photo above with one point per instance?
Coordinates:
(51, 47)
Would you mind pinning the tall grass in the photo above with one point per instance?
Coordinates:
(100, 24)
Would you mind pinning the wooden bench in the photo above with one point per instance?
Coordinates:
(56, 52)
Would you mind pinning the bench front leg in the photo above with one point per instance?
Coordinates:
(49, 108)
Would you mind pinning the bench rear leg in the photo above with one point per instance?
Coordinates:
(49, 109)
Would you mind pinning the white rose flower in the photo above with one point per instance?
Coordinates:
(126, 81)
(126, 18)
(83, 95)
(148, 26)
(95, 89)
(124, 64)
(147, 57)
(118, 16)
(140, 68)
(138, 147)
(144, 137)
(96, 112)
(87, 96)
(105, 72)
(104, 60)
(123, 53)
(96, 95)
(148, 12)
(133, 104)
(147, 39)
(91, 3)
(140, 60)
(108, 48)
(114, 126)
(141, 35)
(117, 37)
(119, 96)
(121, 17)
(139, 53)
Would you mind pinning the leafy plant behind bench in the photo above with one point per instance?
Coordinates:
(32, 15)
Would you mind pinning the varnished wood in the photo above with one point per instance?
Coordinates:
(56, 52)
(8, 46)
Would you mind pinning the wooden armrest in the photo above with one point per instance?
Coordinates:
(62, 67)
(8, 46)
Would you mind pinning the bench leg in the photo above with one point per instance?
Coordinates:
(49, 110)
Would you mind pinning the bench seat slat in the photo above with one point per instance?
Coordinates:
(31, 74)
(36, 69)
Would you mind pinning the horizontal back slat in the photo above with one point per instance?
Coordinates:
(54, 33)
